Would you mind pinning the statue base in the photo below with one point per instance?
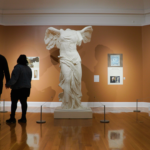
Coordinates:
(73, 113)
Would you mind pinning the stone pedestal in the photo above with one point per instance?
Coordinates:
(73, 113)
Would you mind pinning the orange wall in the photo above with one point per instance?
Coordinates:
(105, 40)
(1, 42)
(146, 62)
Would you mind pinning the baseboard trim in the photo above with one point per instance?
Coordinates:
(86, 104)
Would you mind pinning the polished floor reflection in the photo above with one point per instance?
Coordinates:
(126, 131)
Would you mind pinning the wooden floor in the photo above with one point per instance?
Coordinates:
(126, 131)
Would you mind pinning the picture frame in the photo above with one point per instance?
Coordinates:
(115, 79)
(33, 63)
(115, 60)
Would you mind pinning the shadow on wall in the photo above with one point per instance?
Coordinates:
(99, 91)
(54, 53)
(50, 60)
(47, 93)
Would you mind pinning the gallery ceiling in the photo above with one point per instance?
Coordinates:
(75, 12)
(106, 6)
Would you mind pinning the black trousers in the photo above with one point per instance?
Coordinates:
(22, 95)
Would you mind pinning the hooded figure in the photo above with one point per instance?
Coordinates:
(20, 83)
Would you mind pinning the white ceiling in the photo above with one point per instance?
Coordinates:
(81, 5)
(75, 12)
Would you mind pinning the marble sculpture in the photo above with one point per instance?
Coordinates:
(70, 62)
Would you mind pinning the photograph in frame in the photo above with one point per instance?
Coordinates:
(114, 79)
(115, 60)
(33, 63)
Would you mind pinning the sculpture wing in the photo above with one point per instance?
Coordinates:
(86, 34)
(51, 37)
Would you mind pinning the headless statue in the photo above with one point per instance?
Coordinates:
(70, 62)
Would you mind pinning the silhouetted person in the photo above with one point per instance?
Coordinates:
(4, 71)
(20, 83)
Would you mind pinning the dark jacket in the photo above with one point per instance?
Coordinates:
(20, 77)
(4, 71)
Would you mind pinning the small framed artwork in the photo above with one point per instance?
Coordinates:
(114, 79)
(33, 63)
(115, 69)
(115, 60)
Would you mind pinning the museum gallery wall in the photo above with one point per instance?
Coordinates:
(105, 40)
(1, 39)
(146, 62)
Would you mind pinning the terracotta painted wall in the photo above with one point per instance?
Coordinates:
(1, 39)
(105, 40)
(146, 62)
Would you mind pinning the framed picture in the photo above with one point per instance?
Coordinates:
(33, 63)
(114, 79)
(115, 69)
(115, 60)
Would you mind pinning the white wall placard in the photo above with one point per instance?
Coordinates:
(96, 78)
(115, 75)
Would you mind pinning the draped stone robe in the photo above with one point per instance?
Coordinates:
(70, 62)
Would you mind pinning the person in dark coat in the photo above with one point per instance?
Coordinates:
(4, 71)
(20, 83)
